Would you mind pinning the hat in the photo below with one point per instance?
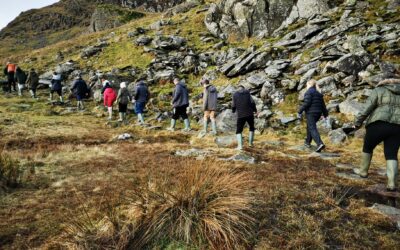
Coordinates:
(122, 85)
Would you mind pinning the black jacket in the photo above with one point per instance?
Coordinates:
(180, 96)
(313, 103)
(79, 88)
(243, 103)
(21, 76)
(142, 93)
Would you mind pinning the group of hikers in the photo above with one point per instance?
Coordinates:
(381, 112)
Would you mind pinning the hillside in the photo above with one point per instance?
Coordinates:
(77, 181)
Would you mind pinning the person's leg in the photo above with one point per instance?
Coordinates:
(213, 123)
(110, 111)
(121, 112)
(59, 92)
(239, 130)
(9, 82)
(252, 129)
(20, 89)
(51, 95)
(372, 138)
(205, 121)
(139, 111)
(391, 149)
(185, 118)
(312, 120)
(308, 140)
(175, 116)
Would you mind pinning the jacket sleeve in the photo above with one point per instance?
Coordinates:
(253, 105)
(136, 93)
(119, 95)
(325, 112)
(177, 94)
(234, 103)
(371, 104)
(205, 98)
(74, 85)
(306, 104)
(103, 89)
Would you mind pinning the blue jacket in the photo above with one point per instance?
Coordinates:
(80, 88)
(56, 83)
(313, 103)
(180, 96)
(142, 93)
(243, 104)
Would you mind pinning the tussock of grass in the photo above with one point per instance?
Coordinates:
(10, 173)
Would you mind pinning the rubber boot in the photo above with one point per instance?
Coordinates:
(187, 125)
(121, 117)
(61, 99)
(109, 113)
(32, 93)
(362, 171)
(240, 141)
(51, 97)
(392, 171)
(141, 118)
(214, 127)
(82, 106)
(173, 124)
(251, 138)
(205, 126)
(19, 92)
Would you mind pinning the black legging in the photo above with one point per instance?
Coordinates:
(242, 121)
(11, 81)
(180, 112)
(385, 132)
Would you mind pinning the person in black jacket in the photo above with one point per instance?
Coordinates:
(142, 96)
(180, 102)
(245, 107)
(314, 106)
(80, 90)
(21, 79)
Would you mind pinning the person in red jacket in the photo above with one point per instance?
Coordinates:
(10, 72)
(109, 97)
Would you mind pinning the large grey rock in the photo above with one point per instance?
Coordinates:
(106, 17)
(240, 18)
(225, 141)
(327, 85)
(226, 121)
(352, 64)
(242, 158)
(337, 136)
(306, 77)
(143, 40)
(169, 42)
(351, 107)
(391, 212)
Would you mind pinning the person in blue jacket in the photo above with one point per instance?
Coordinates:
(314, 107)
(180, 102)
(142, 96)
(80, 90)
(56, 86)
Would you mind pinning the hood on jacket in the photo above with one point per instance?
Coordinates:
(141, 83)
(212, 89)
(56, 77)
(181, 84)
(391, 84)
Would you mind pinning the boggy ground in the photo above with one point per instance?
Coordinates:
(73, 170)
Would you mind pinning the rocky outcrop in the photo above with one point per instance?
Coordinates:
(247, 18)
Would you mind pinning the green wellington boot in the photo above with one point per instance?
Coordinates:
(392, 171)
(240, 141)
(251, 139)
(214, 127)
(362, 171)
(173, 124)
(187, 125)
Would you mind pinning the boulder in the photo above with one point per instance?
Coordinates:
(391, 212)
(352, 64)
(327, 85)
(225, 141)
(143, 40)
(169, 42)
(226, 121)
(337, 136)
(306, 77)
(351, 107)
(108, 17)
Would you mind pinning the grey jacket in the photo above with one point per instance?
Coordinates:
(124, 96)
(181, 96)
(210, 96)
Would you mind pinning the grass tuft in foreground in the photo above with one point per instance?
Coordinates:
(10, 174)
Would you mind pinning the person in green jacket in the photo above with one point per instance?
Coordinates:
(382, 115)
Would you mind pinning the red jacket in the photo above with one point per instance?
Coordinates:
(109, 97)
(11, 67)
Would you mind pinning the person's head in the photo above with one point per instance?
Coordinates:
(8, 63)
(122, 85)
(32, 69)
(78, 77)
(55, 73)
(311, 83)
(205, 82)
(176, 80)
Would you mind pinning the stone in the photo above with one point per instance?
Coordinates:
(325, 156)
(306, 77)
(391, 212)
(305, 68)
(351, 107)
(242, 157)
(226, 121)
(193, 152)
(169, 42)
(124, 137)
(327, 85)
(285, 120)
(143, 40)
(225, 141)
(337, 136)
(227, 91)
(349, 176)
(352, 64)
(166, 74)
(289, 84)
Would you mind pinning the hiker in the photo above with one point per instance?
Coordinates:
(33, 82)
(21, 79)
(56, 86)
(80, 90)
(142, 96)
(314, 107)
(245, 107)
(382, 113)
(123, 98)
(210, 96)
(180, 103)
(9, 70)
(109, 97)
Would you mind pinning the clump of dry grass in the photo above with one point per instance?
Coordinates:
(208, 206)
(204, 207)
(10, 173)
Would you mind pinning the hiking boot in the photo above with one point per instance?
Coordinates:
(307, 145)
(320, 148)
(392, 173)
(362, 171)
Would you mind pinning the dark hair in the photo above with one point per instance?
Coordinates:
(205, 82)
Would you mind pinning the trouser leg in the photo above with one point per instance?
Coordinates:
(312, 128)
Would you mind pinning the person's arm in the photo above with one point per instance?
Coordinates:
(177, 94)
(324, 109)
(137, 93)
(205, 98)
(306, 103)
(234, 104)
(119, 95)
(370, 106)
